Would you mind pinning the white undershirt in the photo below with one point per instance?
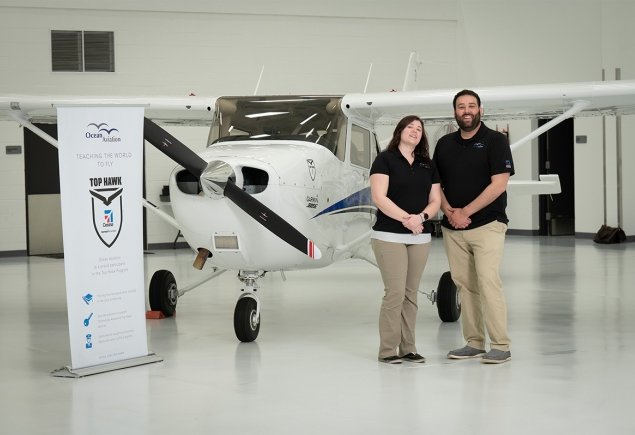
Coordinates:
(408, 239)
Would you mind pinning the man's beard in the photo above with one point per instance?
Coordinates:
(476, 120)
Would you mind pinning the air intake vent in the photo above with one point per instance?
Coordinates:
(256, 180)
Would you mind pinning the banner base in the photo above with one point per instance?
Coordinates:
(67, 372)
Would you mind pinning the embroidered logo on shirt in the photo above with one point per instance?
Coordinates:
(478, 145)
(508, 164)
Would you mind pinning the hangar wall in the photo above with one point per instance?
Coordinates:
(214, 48)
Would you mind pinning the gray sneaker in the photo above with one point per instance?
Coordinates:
(391, 359)
(465, 353)
(496, 356)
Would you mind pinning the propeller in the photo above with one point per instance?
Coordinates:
(173, 148)
(216, 179)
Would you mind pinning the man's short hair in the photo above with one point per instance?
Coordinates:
(466, 92)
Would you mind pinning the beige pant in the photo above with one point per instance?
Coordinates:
(474, 257)
(401, 267)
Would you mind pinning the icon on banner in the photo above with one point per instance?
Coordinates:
(88, 298)
(87, 319)
(107, 221)
(89, 341)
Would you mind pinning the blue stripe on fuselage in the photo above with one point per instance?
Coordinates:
(358, 201)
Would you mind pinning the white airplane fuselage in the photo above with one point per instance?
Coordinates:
(323, 197)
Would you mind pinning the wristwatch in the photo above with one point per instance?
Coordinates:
(424, 217)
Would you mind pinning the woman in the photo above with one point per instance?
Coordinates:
(405, 188)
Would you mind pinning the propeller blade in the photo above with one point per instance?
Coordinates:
(271, 220)
(173, 148)
(212, 185)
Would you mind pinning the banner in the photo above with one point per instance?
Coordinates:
(101, 167)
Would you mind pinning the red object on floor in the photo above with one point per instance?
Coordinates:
(155, 315)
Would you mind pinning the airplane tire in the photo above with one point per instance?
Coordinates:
(246, 326)
(448, 302)
(163, 293)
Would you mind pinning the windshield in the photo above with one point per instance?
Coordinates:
(307, 118)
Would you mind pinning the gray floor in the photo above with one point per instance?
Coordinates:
(313, 369)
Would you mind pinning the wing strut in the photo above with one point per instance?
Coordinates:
(578, 106)
(20, 119)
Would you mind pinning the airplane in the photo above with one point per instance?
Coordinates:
(284, 181)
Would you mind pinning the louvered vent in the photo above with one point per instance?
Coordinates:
(82, 51)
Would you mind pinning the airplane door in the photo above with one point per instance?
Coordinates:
(363, 147)
(557, 212)
(362, 151)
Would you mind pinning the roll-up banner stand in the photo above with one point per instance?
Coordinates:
(101, 167)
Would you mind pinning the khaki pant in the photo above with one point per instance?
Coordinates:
(401, 267)
(474, 257)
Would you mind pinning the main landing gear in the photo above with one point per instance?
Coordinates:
(163, 292)
(447, 299)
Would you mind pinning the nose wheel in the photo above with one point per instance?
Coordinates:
(247, 312)
(247, 318)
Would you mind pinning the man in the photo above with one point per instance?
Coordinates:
(475, 164)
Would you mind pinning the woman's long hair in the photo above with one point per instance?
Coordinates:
(422, 149)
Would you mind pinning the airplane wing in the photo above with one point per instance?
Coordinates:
(190, 110)
(555, 101)
(558, 101)
(500, 102)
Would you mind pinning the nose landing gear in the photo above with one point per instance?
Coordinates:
(247, 312)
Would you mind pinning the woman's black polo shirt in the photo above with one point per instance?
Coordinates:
(408, 186)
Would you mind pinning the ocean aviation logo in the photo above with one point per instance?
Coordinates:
(102, 131)
(107, 206)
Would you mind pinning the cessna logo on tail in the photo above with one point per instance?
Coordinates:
(107, 206)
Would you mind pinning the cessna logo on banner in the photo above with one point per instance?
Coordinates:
(107, 213)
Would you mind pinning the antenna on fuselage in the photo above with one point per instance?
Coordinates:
(262, 70)
(370, 69)
(411, 72)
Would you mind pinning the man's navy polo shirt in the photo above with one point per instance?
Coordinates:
(466, 168)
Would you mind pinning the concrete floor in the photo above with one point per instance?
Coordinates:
(314, 369)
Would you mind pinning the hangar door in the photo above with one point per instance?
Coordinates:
(42, 188)
(557, 212)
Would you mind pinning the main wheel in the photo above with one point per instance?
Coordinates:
(448, 302)
(246, 323)
(163, 293)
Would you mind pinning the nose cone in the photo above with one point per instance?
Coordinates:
(214, 178)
